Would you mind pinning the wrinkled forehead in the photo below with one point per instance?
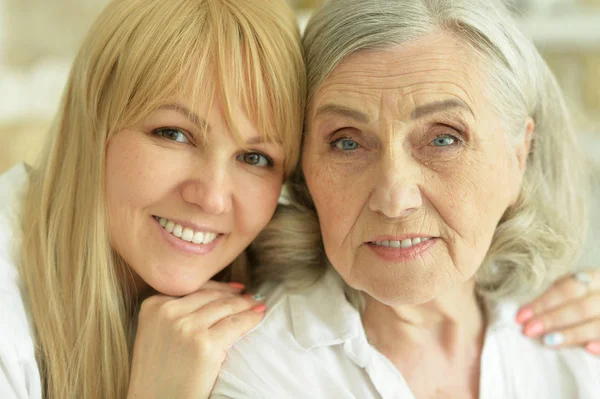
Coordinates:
(398, 80)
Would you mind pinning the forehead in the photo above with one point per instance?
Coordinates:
(436, 67)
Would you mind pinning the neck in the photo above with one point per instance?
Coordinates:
(451, 322)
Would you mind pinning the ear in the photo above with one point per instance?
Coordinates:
(525, 146)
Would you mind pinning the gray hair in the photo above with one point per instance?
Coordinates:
(539, 238)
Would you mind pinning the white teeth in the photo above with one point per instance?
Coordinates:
(177, 231)
(198, 237)
(209, 237)
(406, 243)
(187, 234)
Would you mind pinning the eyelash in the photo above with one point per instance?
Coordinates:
(157, 132)
(269, 160)
(333, 145)
(457, 139)
(239, 157)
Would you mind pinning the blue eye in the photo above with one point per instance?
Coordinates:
(172, 135)
(255, 159)
(346, 145)
(444, 141)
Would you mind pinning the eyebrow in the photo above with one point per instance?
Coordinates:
(419, 112)
(192, 117)
(439, 106)
(202, 124)
(333, 109)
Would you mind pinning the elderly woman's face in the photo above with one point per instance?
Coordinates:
(409, 168)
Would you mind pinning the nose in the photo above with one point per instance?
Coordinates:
(397, 193)
(210, 188)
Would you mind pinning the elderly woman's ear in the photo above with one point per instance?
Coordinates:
(525, 146)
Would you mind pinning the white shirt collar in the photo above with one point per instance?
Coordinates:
(332, 319)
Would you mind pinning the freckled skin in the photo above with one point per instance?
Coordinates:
(205, 184)
(397, 182)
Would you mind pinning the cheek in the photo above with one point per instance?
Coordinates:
(339, 193)
(138, 176)
(257, 198)
(471, 198)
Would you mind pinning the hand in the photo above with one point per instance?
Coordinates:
(182, 342)
(567, 314)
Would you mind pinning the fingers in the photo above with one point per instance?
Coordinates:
(231, 328)
(567, 314)
(230, 287)
(593, 347)
(170, 309)
(213, 312)
(582, 333)
(572, 313)
(564, 290)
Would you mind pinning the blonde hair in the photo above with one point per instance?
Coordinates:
(138, 54)
(540, 237)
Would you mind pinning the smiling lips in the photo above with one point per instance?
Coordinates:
(405, 250)
(185, 233)
(406, 243)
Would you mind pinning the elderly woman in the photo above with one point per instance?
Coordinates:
(440, 163)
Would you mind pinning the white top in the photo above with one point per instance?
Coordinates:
(311, 344)
(19, 374)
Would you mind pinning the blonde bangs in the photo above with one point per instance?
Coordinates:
(242, 54)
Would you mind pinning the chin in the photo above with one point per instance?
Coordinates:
(402, 290)
(178, 287)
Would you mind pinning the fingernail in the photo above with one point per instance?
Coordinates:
(593, 347)
(259, 308)
(237, 286)
(534, 329)
(524, 314)
(554, 339)
(258, 297)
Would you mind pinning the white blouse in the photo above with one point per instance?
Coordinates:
(311, 344)
(19, 374)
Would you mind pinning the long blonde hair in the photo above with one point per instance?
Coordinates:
(540, 237)
(138, 54)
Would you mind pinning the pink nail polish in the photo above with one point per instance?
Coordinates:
(534, 329)
(237, 286)
(524, 314)
(259, 308)
(593, 347)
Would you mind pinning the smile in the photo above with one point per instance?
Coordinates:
(406, 243)
(185, 233)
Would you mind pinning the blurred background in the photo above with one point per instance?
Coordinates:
(39, 38)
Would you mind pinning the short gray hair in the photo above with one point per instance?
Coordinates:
(539, 238)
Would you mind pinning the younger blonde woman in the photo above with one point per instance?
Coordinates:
(179, 123)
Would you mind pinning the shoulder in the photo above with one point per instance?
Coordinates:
(263, 355)
(298, 349)
(13, 185)
(19, 376)
(530, 367)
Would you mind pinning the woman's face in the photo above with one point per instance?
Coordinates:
(409, 168)
(180, 208)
